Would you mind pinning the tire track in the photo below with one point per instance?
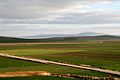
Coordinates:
(61, 64)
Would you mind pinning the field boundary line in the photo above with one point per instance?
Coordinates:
(61, 64)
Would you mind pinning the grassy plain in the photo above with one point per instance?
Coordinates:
(103, 55)
(13, 65)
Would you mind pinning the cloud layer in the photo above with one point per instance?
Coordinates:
(29, 15)
(60, 11)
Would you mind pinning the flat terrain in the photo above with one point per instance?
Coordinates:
(61, 64)
(13, 65)
(100, 54)
(104, 55)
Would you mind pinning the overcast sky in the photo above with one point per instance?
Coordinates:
(30, 17)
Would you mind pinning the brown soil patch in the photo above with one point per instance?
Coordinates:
(25, 73)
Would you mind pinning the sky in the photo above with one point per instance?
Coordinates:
(33, 17)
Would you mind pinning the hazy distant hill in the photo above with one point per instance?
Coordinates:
(7, 38)
(101, 37)
(41, 36)
(89, 34)
(63, 35)
(57, 39)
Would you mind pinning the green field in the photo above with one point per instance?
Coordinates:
(13, 65)
(37, 78)
(104, 55)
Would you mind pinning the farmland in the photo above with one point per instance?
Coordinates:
(13, 65)
(104, 55)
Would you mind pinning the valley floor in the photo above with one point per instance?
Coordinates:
(103, 55)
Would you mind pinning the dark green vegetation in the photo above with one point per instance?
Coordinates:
(102, 54)
(13, 65)
(37, 78)
(15, 40)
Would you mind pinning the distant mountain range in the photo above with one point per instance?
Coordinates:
(57, 39)
(63, 35)
(89, 34)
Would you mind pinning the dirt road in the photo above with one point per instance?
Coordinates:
(61, 64)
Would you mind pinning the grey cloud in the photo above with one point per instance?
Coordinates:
(31, 8)
(74, 18)
(26, 17)
(28, 29)
(54, 11)
(36, 8)
(90, 18)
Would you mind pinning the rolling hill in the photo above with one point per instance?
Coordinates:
(57, 39)
(42, 36)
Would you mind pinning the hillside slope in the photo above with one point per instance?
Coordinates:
(57, 39)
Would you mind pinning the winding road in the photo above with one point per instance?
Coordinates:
(61, 64)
